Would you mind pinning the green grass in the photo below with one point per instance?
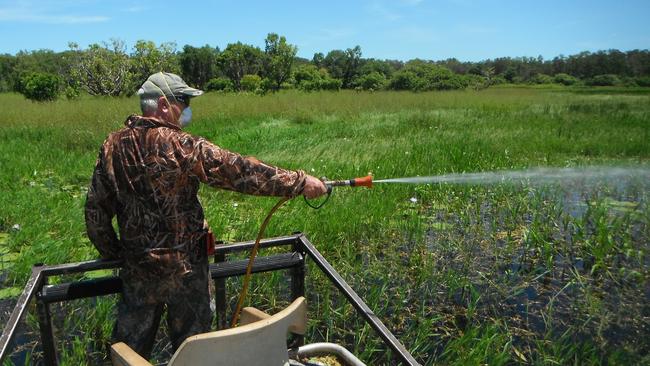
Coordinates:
(463, 275)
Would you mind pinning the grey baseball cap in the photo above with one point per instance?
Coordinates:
(166, 84)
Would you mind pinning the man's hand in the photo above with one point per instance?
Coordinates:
(314, 187)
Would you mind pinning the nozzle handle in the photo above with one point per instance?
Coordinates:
(356, 182)
(329, 193)
(339, 183)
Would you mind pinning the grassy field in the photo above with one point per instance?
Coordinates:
(466, 275)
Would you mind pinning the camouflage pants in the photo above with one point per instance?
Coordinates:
(140, 309)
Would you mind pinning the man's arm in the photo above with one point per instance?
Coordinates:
(99, 213)
(224, 169)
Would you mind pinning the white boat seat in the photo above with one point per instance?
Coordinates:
(260, 340)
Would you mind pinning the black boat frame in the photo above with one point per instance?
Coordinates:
(37, 287)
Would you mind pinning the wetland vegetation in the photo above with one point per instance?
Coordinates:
(524, 273)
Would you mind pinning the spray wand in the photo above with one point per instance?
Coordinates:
(355, 182)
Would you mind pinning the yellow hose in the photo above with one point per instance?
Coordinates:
(249, 268)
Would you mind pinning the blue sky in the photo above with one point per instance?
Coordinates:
(397, 29)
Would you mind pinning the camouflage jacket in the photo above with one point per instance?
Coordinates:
(148, 174)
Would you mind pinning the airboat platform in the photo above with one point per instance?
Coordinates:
(293, 259)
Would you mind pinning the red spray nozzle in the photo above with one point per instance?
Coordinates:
(356, 182)
(363, 181)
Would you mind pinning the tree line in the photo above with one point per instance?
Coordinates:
(111, 69)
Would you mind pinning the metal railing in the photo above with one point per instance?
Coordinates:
(37, 287)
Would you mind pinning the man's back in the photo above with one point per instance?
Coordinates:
(144, 173)
(148, 174)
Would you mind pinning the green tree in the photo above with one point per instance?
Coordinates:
(251, 82)
(373, 65)
(455, 65)
(278, 59)
(305, 73)
(604, 80)
(239, 59)
(643, 81)
(541, 79)
(41, 86)
(310, 78)
(147, 59)
(7, 72)
(344, 65)
(510, 74)
(219, 84)
(40, 61)
(102, 70)
(334, 62)
(352, 64)
(198, 65)
(318, 60)
(564, 79)
(638, 62)
(476, 69)
(372, 81)
(404, 80)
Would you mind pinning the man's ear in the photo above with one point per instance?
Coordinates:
(163, 104)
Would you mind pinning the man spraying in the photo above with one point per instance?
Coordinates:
(148, 175)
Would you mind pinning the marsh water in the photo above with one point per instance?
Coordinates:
(567, 242)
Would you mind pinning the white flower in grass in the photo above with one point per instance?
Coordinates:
(413, 200)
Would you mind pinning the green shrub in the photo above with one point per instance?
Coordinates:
(267, 85)
(498, 80)
(219, 84)
(371, 81)
(603, 80)
(442, 81)
(541, 79)
(419, 75)
(403, 80)
(251, 82)
(72, 92)
(510, 74)
(41, 86)
(311, 78)
(308, 85)
(628, 81)
(306, 73)
(287, 85)
(474, 80)
(518, 80)
(330, 84)
(643, 81)
(564, 79)
(321, 84)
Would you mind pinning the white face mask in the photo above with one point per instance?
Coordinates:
(186, 117)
